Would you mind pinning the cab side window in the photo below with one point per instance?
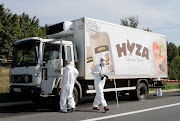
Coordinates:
(51, 51)
(46, 52)
(54, 52)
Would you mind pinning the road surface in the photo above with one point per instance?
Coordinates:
(165, 108)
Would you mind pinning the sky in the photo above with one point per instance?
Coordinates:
(161, 16)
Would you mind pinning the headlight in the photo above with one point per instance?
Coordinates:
(26, 78)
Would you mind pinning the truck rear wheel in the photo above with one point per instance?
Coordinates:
(140, 93)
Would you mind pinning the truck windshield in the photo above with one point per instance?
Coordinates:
(25, 53)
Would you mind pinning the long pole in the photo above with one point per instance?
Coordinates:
(116, 93)
(116, 88)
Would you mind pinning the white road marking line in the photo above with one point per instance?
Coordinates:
(129, 113)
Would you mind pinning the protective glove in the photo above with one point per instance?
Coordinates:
(104, 77)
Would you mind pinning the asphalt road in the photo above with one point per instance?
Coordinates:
(165, 108)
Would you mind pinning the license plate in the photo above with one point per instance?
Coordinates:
(17, 89)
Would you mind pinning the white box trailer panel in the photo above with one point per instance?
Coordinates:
(78, 39)
(129, 53)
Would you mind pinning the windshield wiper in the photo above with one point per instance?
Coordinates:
(20, 61)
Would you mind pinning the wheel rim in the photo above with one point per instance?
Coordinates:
(142, 92)
(74, 96)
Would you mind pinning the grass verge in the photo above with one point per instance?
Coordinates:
(4, 80)
(169, 85)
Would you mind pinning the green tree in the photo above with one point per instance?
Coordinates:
(172, 52)
(5, 17)
(174, 68)
(14, 27)
(179, 50)
(173, 61)
(132, 21)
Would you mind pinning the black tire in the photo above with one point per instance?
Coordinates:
(75, 95)
(140, 93)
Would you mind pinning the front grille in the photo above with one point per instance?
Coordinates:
(21, 78)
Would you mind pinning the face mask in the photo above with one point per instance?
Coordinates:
(103, 63)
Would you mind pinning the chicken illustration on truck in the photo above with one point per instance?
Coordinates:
(135, 59)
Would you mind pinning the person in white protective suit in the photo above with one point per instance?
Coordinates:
(69, 75)
(99, 71)
(158, 91)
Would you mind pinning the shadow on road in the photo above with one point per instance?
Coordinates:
(29, 108)
(81, 107)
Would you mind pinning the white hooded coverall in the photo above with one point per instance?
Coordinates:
(99, 85)
(69, 75)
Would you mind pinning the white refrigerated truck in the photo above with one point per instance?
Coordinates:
(135, 59)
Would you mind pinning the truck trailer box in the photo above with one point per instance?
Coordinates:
(130, 53)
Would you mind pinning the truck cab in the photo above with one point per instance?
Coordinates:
(37, 68)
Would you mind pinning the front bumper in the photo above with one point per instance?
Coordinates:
(28, 90)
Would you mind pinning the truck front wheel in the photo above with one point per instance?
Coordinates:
(140, 93)
(75, 95)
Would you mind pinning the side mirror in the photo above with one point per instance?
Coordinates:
(37, 44)
(37, 52)
(44, 63)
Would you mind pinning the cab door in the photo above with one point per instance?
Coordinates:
(51, 70)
